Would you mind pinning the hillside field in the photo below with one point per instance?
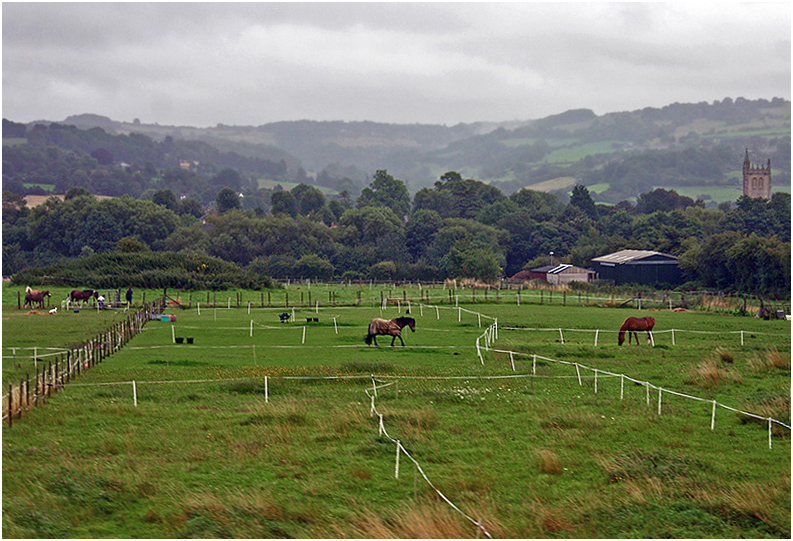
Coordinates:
(267, 429)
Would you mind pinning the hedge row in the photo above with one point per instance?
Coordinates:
(146, 270)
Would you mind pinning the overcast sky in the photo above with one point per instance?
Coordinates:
(201, 64)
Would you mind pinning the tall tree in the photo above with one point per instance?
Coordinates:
(283, 202)
(227, 200)
(386, 191)
(580, 198)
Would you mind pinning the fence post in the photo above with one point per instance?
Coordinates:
(10, 405)
(396, 472)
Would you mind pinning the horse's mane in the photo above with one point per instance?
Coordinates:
(404, 320)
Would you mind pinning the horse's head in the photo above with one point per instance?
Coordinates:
(45, 294)
(621, 338)
(411, 324)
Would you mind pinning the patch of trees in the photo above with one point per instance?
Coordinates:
(459, 228)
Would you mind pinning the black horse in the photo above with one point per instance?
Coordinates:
(392, 327)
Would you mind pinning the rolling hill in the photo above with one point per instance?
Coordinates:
(697, 148)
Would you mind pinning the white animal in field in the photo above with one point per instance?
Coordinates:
(54, 310)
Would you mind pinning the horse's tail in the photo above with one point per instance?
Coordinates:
(368, 339)
(28, 290)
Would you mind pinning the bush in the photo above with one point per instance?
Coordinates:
(182, 270)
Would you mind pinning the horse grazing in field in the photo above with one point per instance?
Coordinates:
(392, 327)
(83, 295)
(634, 324)
(37, 298)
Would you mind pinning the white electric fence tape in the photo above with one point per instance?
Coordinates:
(400, 450)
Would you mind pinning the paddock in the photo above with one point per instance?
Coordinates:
(252, 388)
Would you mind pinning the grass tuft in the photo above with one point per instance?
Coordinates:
(548, 462)
(725, 355)
(776, 406)
(710, 373)
(427, 520)
(769, 360)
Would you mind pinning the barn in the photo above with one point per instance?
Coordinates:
(638, 267)
(539, 273)
(564, 274)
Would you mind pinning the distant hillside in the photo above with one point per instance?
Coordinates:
(697, 147)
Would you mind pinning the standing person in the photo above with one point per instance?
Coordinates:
(129, 295)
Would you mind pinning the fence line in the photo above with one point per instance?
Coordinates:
(71, 362)
(648, 385)
(400, 449)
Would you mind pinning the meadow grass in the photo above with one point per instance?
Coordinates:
(208, 452)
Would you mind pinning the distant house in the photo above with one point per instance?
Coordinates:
(638, 267)
(564, 274)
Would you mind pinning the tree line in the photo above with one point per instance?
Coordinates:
(459, 228)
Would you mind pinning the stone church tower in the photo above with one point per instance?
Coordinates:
(756, 179)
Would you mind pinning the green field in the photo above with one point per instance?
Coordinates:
(266, 429)
(48, 187)
(578, 152)
(14, 141)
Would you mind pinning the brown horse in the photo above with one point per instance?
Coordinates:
(389, 327)
(37, 298)
(634, 324)
(82, 295)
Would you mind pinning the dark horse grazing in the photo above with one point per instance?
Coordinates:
(82, 295)
(634, 324)
(392, 327)
(37, 298)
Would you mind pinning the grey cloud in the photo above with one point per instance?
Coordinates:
(252, 63)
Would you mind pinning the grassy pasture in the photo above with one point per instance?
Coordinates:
(578, 152)
(206, 453)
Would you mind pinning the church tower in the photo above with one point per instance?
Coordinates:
(756, 179)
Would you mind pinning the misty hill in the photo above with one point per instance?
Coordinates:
(696, 149)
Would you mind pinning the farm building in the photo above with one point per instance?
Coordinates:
(639, 267)
(564, 274)
(539, 273)
(556, 274)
